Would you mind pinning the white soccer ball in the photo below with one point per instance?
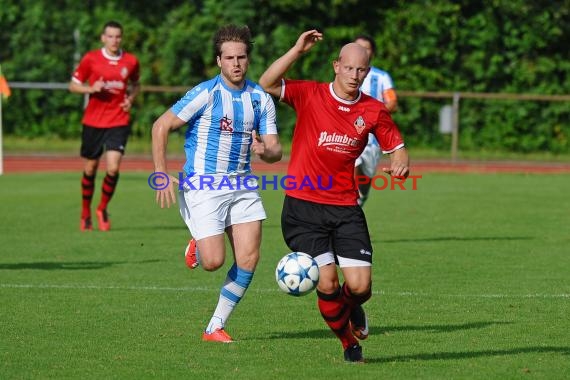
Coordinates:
(297, 274)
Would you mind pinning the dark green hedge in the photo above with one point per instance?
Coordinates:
(495, 46)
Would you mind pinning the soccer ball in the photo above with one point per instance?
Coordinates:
(297, 274)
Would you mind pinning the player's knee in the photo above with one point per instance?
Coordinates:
(358, 280)
(359, 288)
(113, 171)
(211, 264)
(327, 286)
(91, 167)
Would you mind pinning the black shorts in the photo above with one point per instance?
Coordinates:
(94, 141)
(316, 228)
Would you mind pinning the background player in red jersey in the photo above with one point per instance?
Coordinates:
(105, 74)
(333, 123)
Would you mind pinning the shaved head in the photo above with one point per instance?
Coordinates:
(354, 51)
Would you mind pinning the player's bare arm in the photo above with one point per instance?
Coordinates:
(161, 128)
(81, 88)
(399, 163)
(271, 79)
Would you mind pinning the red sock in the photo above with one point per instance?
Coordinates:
(107, 190)
(336, 314)
(87, 189)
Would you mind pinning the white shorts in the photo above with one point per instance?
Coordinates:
(343, 262)
(368, 160)
(208, 212)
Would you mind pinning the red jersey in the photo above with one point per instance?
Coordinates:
(330, 134)
(103, 109)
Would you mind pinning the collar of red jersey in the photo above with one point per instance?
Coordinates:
(112, 57)
(341, 100)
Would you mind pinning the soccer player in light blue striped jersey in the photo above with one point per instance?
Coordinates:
(378, 84)
(229, 118)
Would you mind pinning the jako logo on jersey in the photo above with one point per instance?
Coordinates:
(334, 139)
(342, 108)
(226, 124)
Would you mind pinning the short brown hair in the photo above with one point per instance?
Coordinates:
(370, 40)
(232, 33)
(112, 24)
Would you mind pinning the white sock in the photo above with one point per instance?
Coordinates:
(237, 282)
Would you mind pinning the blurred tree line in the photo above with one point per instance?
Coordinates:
(505, 46)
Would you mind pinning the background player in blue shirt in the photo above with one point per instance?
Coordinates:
(379, 85)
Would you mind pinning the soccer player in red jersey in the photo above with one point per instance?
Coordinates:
(110, 76)
(333, 123)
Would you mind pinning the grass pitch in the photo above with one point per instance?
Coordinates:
(471, 281)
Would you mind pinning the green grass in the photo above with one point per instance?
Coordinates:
(424, 153)
(471, 281)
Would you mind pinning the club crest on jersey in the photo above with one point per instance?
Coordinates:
(226, 124)
(359, 124)
(124, 72)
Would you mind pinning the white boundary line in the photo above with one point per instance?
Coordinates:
(206, 289)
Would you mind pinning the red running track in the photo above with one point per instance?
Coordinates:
(54, 163)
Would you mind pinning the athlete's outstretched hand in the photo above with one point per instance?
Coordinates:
(166, 196)
(307, 40)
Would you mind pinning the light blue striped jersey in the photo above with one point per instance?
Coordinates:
(220, 121)
(376, 82)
